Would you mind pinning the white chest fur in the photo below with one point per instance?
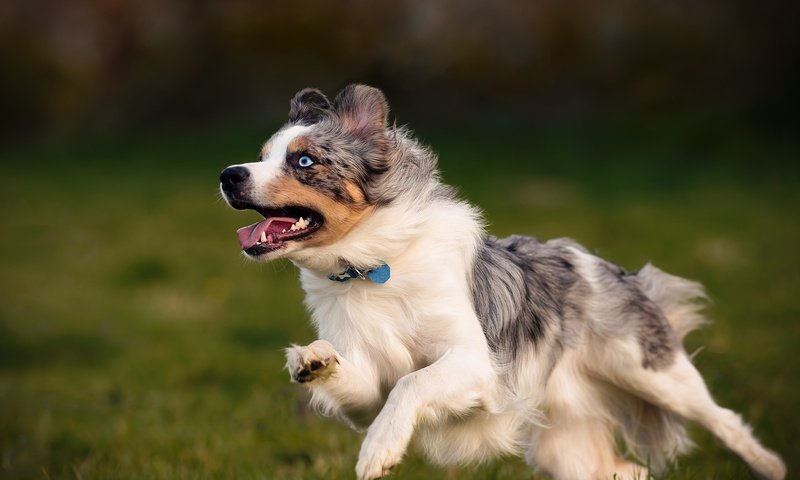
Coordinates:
(362, 319)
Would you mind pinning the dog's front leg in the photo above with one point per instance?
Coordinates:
(348, 388)
(452, 385)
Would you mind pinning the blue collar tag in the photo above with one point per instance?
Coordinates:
(379, 274)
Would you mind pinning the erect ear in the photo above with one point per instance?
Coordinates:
(362, 109)
(308, 107)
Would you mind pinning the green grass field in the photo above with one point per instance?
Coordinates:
(135, 342)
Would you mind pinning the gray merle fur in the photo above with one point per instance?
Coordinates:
(352, 141)
(522, 290)
(529, 294)
(633, 307)
(308, 107)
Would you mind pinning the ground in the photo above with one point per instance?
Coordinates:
(135, 342)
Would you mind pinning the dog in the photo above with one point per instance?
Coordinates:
(474, 346)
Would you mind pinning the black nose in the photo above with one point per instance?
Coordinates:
(233, 176)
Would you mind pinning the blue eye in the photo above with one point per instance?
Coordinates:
(305, 161)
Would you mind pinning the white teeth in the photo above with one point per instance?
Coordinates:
(283, 231)
(263, 237)
(300, 224)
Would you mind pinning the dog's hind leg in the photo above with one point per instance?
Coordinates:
(577, 441)
(580, 448)
(679, 388)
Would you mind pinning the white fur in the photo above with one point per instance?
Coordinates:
(270, 166)
(417, 333)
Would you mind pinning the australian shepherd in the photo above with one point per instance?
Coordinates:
(474, 346)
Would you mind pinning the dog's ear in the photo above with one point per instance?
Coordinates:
(362, 109)
(308, 107)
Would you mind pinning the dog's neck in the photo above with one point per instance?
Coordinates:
(378, 239)
(392, 233)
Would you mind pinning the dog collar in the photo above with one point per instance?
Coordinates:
(379, 274)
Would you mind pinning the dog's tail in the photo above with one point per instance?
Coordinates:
(681, 300)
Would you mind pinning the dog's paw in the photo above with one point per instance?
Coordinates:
(316, 361)
(769, 466)
(375, 464)
(384, 446)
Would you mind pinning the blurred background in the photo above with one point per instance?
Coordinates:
(135, 342)
(109, 66)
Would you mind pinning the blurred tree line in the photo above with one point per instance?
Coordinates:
(78, 65)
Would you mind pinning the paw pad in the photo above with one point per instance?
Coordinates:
(306, 364)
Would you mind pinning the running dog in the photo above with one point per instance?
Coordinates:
(471, 345)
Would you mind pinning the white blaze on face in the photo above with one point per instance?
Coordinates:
(270, 166)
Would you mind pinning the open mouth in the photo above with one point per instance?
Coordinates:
(278, 227)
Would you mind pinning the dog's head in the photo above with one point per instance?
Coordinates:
(315, 178)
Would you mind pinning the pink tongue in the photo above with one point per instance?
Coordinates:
(250, 235)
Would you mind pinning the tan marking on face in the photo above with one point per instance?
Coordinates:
(299, 144)
(356, 194)
(340, 218)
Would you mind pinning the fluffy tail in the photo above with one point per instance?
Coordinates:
(681, 300)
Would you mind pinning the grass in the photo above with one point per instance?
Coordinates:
(135, 342)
